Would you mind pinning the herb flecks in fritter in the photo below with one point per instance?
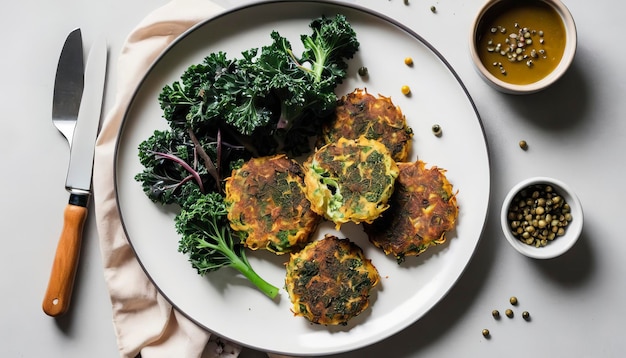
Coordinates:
(361, 114)
(267, 206)
(350, 180)
(423, 208)
(330, 280)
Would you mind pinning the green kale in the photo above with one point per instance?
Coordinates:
(173, 160)
(224, 110)
(333, 41)
(208, 240)
(269, 99)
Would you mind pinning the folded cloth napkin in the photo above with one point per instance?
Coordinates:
(145, 323)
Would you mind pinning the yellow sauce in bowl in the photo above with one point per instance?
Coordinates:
(521, 42)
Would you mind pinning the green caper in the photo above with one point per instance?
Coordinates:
(486, 333)
(509, 313)
(538, 214)
(433, 9)
(523, 144)
(362, 71)
(495, 314)
(437, 130)
(525, 315)
(513, 300)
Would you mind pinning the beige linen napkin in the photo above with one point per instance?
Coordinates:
(144, 321)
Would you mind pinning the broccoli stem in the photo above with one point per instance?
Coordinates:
(243, 266)
(222, 241)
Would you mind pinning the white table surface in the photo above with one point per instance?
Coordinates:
(575, 132)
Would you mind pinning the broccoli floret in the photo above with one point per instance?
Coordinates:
(207, 238)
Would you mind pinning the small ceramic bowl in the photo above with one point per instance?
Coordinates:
(560, 244)
(514, 62)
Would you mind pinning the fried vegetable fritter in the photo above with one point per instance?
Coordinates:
(267, 206)
(350, 180)
(423, 208)
(330, 280)
(361, 114)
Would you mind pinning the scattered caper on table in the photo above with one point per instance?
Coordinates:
(525, 315)
(513, 300)
(509, 313)
(437, 130)
(523, 144)
(495, 314)
(486, 332)
(362, 71)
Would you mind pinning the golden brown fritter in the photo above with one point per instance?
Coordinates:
(361, 114)
(422, 209)
(350, 180)
(267, 206)
(330, 280)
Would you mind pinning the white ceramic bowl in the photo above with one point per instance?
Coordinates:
(561, 68)
(560, 244)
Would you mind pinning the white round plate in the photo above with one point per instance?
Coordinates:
(225, 303)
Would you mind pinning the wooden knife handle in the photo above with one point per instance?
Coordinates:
(61, 283)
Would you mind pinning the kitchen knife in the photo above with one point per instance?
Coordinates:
(78, 183)
(68, 85)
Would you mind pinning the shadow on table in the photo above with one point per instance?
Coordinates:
(559, 108)
(573, 268)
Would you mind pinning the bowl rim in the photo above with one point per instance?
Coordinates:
(561, 244)
(569, 51)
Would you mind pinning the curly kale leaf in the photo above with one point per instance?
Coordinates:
(332, 43)
(268, 92)
(173, 160)
(208, 240)
(187, 98)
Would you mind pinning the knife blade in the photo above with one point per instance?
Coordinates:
(61, 283)
(68, 85)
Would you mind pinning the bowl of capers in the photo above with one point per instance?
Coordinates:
(541, 217)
